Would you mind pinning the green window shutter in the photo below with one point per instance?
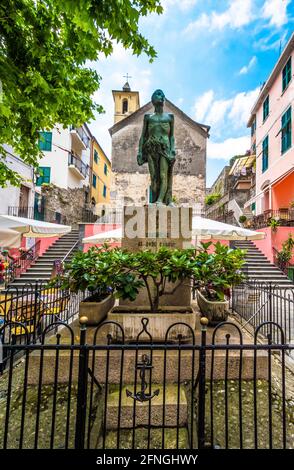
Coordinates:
(253, 206)
(266, 108)
(104, 190)
(45, 141)
(105, 169)
(96, 156)
(287, 74)
(265, 154)
(94, 181)
(45, 173)
(286, 130)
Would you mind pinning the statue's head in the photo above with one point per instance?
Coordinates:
(157, 97)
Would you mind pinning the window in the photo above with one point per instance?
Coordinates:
(265, 108)
(265, 154)
(94, 181)
(44, 175)
(96, 156)
(253, 207)
(45, 141)
(253, 149)
(105, 169)
(286, 130)
(125, 106)
(253, 127)
(286, 74)
(104, 190)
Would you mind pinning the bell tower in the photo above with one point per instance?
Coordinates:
(126, 101)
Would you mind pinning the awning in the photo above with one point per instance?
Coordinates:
(31, 227)
(242, 162)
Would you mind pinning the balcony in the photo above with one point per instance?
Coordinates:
(80, 138)
(285, 218)
(79, 168)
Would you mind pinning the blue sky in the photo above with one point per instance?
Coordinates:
(213, 55)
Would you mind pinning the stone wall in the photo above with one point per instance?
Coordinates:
(132, 181)
(68, 202)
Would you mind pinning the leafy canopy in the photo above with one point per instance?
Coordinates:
(45, 50)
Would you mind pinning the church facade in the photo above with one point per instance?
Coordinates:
(131, 181)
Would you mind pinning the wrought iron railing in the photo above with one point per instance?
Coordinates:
(28, 212)
(87, 390)
(19, 265)
(82, 134)
(285, 265)
(77, 163)
(256, 302)
(285, 217)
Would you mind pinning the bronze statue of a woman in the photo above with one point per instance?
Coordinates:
(157, 148)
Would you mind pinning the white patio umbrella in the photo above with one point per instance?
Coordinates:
(201, 229)
(108, 236)
(10, 238)
(31, 228)
(208, 228)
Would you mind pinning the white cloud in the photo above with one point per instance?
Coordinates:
(230, 113)
(269, 42)
(183, 5)
(228, 148)
(238, 14)
(244, 70)
(202, 105)
(276, 12)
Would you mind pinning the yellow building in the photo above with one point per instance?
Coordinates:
(126, 102)
(100, 175)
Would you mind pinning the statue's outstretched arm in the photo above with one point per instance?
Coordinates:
(141, 141)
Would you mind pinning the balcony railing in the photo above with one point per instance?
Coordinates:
(78, 164)
(285, 218)
(82, 135)
(46, 215)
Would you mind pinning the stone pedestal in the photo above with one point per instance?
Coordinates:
(151, 227)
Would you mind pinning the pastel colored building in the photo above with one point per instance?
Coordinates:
(66, 156)
(271, 123)
(100, 175)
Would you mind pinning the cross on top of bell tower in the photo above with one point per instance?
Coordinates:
(126, 86)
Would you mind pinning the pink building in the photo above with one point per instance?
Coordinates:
(272, 140)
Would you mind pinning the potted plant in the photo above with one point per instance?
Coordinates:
(159, 274)
(273, 224)
(79, 275)
(217, 273)
(242, 219)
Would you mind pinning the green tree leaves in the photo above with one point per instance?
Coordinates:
(45, 49)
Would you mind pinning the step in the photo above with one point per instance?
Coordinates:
(268, 269)
(257, 263)
(36, 274)
(176, 414)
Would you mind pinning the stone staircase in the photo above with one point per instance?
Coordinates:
(259, 268)
(41, 269)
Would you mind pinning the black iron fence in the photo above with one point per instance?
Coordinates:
(92, 391)
(258, 302)
(33, 308)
